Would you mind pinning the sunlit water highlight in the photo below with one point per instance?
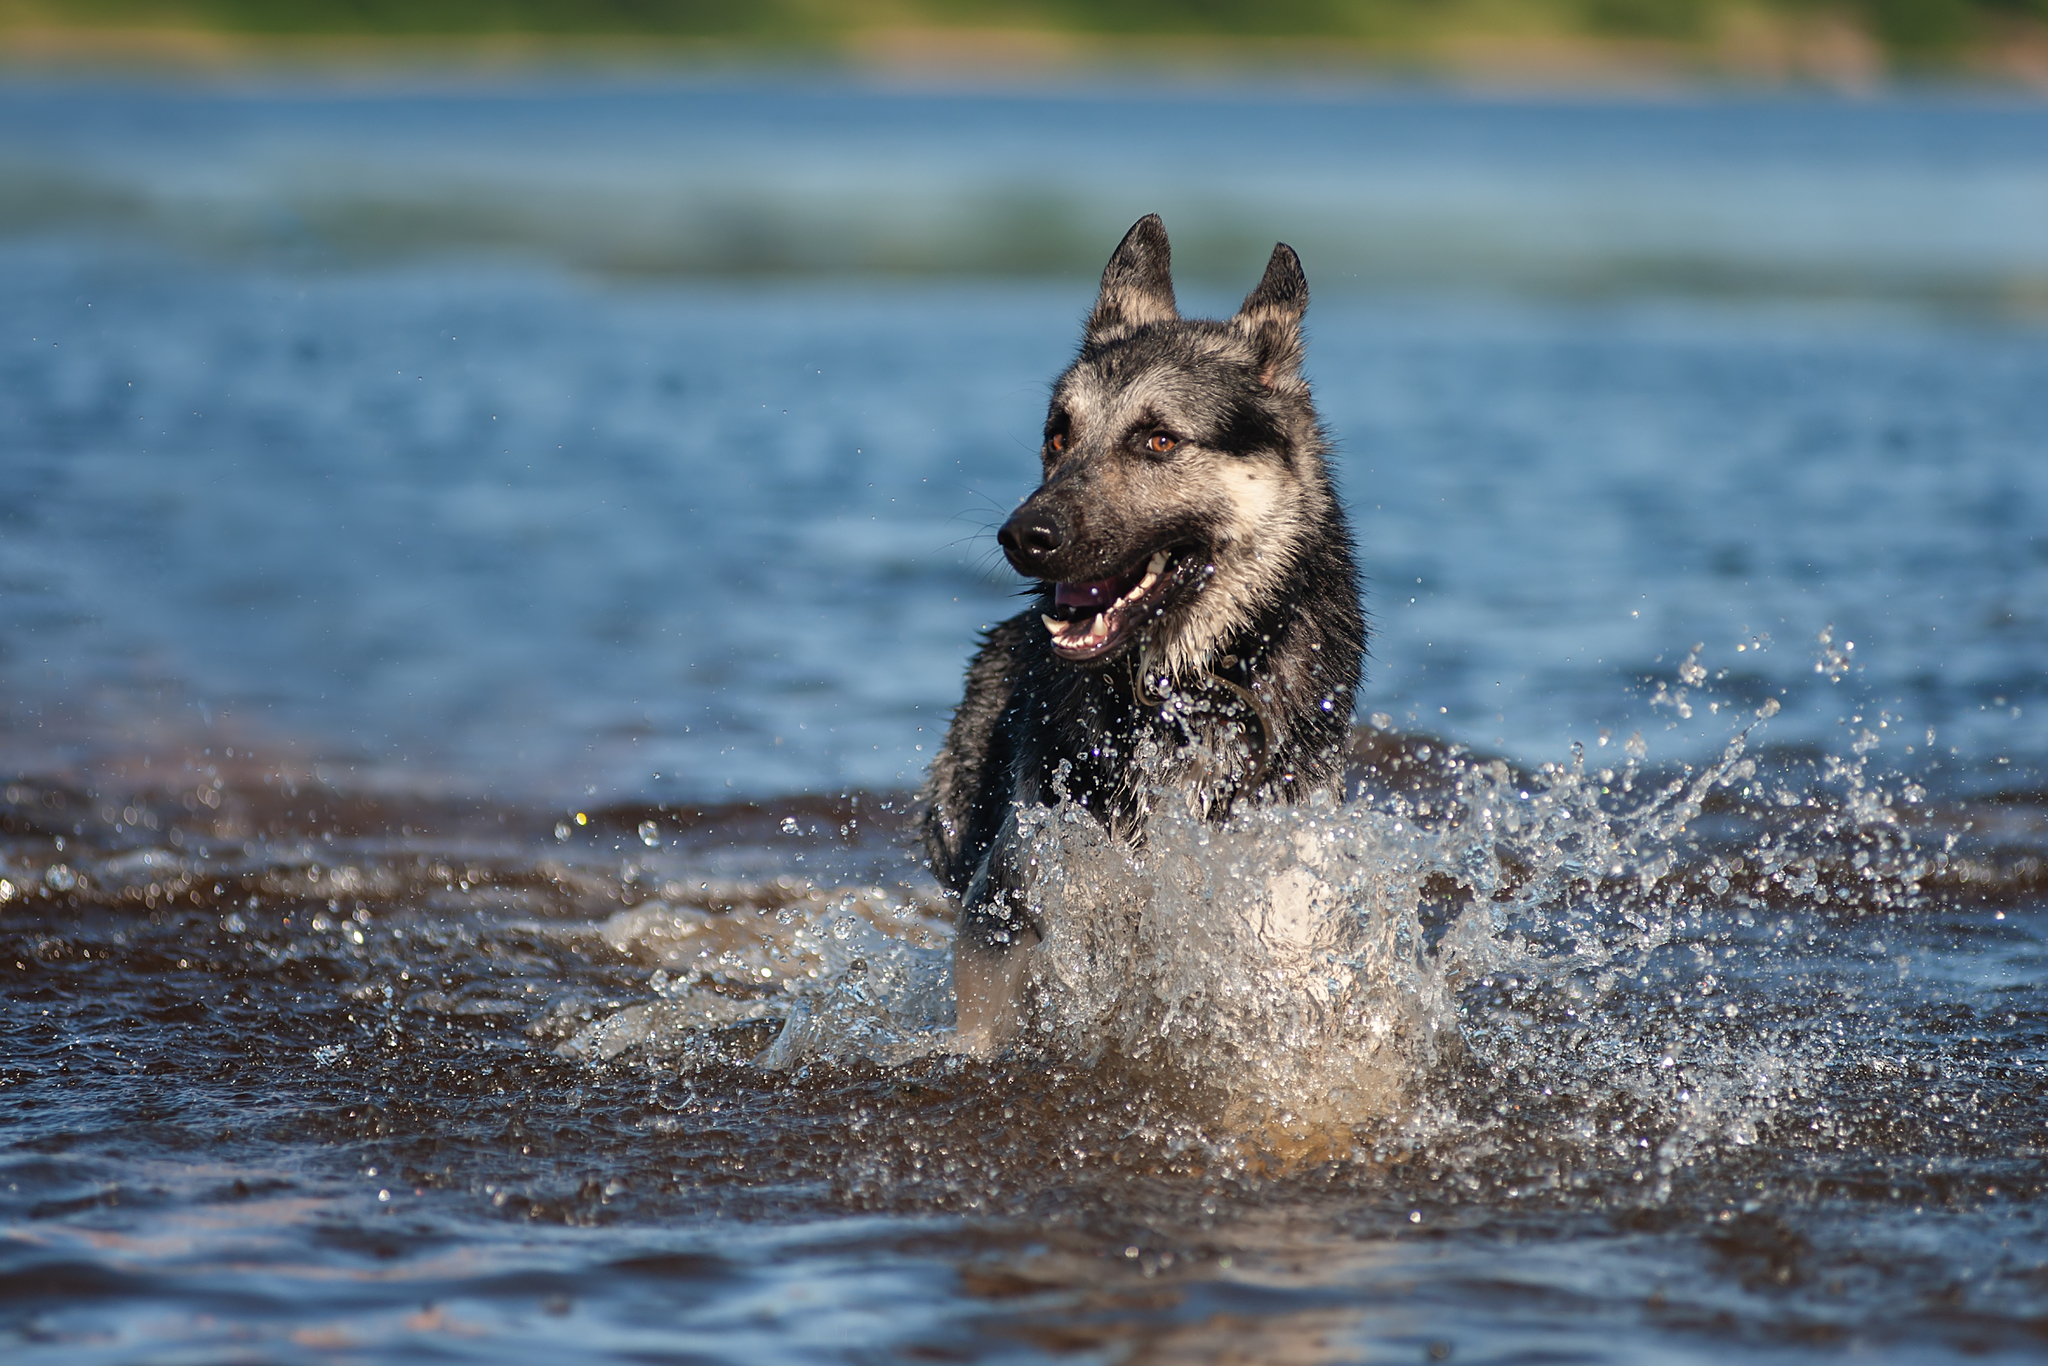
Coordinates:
(456, 897)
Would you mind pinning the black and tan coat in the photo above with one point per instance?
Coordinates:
(1198, 632)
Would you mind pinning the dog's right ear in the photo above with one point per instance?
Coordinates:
(1137, 285)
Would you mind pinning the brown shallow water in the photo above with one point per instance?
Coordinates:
(297, 1074)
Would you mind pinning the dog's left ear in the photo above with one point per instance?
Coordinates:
(1270, 317)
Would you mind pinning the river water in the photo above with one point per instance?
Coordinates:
(484, 563)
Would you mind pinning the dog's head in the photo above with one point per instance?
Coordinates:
(1183, 468)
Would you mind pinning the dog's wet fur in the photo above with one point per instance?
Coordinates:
(1197, 632)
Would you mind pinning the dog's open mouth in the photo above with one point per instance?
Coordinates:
(1090, 619)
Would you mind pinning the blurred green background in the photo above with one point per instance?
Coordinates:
(1762, 37)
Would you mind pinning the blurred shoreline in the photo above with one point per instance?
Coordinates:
(1739, 47)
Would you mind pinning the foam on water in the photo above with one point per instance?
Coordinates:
(1365, 977)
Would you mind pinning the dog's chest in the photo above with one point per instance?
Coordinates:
(1093, 741)
(1079, 739)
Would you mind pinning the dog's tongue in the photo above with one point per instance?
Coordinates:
(1096, 593)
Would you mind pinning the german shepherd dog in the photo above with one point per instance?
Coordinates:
(1196, 632)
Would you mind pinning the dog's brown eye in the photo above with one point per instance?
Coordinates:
(1159, 443)
(1058, 442)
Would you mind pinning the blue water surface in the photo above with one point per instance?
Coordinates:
(524, 458)
(474, 511)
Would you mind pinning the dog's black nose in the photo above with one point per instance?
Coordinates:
(1031, 538)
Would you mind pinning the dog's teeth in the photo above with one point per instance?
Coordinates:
(1153, 570)
(1076, 633)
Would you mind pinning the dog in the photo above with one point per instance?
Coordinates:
(1197, 630)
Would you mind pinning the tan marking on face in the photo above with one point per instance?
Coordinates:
(1264, 521)
(1103, 420)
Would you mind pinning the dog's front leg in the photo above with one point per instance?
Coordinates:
(989, 951)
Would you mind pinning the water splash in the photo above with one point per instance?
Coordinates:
(1400, 971)
(845, 972)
